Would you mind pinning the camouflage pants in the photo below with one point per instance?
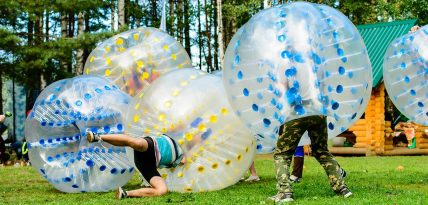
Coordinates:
(289, 137)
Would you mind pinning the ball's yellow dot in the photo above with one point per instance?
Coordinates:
(140, 64)
(121, 49)
(247, 149)
(180, 174)
(175, 93)
(166, 47)
(147, 131)
(228, 161)
(174, 56)
(135, 37)
(87, 71)
(214, 166)
(188, 136)
(180, 141)
(213, 118)
(201, 127)
(188, 189)
(107, 72)
(137, 106)
(168, 104)
(181, 66)
(123, 73)
(239, 157)
(147, 34)
(108, 61)
(161, 117)
(164, 130)
(184, 83)
(141, 95)
(164, 176)
(193, 77)
(136, 118)
(119, 41)
(107, 49)
(201, 169)
(92, 59)
(145, 75)
(224, 111)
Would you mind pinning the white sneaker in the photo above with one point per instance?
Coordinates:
(121, 193)
(253, 179)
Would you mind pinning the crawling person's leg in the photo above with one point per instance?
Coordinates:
(158, 188)
(139, 144)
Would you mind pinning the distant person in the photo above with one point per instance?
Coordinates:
(4, 157)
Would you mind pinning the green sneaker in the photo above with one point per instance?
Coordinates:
(280, 198)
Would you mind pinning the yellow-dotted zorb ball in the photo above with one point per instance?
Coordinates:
(191, 107)
(135, 58)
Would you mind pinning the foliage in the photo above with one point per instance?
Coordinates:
(373, 180)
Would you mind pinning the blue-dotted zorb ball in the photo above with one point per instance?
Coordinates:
(405, 72)
(297, 60)
(55, 132)
(191, 107)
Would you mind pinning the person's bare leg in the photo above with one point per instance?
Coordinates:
(138, 144)
(158, 188)
(253, 170)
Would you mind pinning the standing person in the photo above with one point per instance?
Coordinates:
(289, 136)
(3, 155)
(150, 153)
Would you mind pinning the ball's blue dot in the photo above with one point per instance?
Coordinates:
(78, 102)
(50, 140)
(106, 129)
(282, 14)
(67, 179)
(286, 54)
(351, 75)
(42, 141)
(75, 186)
(88, 96)
(240, 75)
(259, 146)
(97, 90)
(334, 105)
(403, 65)
(237, 59)
(259, 79)
(51, 124)
(412, 92)
(246, 92)
(327, 74)
(131, 169)
(339, 89)
(120, 127)
(299, 109)
(330, 126)
(273, 101)
(344, 59)
(361, 101)
(255, 107)
(259, 96)
(107, 87)
(353, 91)
(57, 112)
(43, 123)
(42, 171)
(316, 58)
(340, 52)
(407, 79)
(90, 163)
(341, 70)
(330, 88)
(298, 58)
(50, 159)
(266, 122)
(122, 171)
(420, 104)
(57, 156)
(113, 171)
(281, 38)
(353, 116)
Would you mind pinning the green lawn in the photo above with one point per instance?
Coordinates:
(373, 180)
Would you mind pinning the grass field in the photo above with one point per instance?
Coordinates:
(373, 180)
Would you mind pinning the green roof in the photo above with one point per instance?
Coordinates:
(377, 38)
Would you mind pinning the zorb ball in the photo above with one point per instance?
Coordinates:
(405, 73)
(191, 107)
(135, 58)
(296, 60)
(57, 144)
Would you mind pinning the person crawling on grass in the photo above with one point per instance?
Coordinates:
(150, 153)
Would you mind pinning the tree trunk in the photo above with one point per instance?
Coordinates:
(79, 53)
(38, 33)
(121, 12)
(128, 14)
(220, 32)
(199, 35)
(215, 21)
(187, 45)
(208, 35)
(155, 19)
(47, 26)
(64, 20)
(87, 30)
(1, 92)
(70, 35)
(171, 18)
(138, 15)
(113, 13)
(180, 21)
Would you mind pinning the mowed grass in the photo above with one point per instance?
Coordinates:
(373, 180)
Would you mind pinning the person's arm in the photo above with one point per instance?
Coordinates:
(2, 118)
